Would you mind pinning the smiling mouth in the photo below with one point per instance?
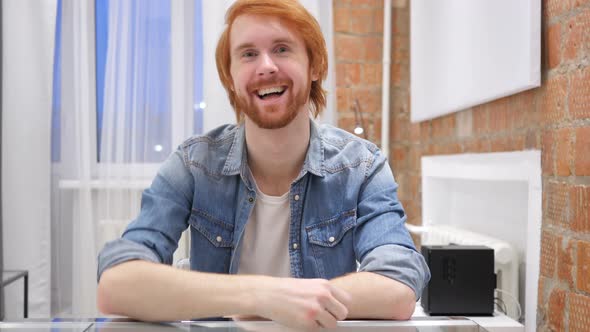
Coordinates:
(271, 92)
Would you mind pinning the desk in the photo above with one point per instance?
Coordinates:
(10, 276)
(417, 324)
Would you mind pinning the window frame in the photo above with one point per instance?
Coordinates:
(82, 20)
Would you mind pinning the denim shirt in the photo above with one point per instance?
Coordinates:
(344, 210)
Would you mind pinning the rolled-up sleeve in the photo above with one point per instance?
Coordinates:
(399, 263)
(123, 250)
(165, 209)
(383, 245)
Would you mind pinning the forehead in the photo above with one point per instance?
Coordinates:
(258, 30)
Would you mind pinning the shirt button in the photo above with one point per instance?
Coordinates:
(219, 239)
(251, 199)
(294, 245)
(296, 197)
(331, 239)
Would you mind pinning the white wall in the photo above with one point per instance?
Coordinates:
(28, 39)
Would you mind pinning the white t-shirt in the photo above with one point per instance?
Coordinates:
(265, 245)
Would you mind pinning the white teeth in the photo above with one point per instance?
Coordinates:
(276, 89)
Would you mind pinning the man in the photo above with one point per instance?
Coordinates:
(280, 209)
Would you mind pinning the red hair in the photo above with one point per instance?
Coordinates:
(292, 13)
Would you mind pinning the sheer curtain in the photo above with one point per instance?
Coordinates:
(114, 130)
(131, 90)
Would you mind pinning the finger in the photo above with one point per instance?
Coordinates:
(338, 310)
(326, 319)
(341, 295)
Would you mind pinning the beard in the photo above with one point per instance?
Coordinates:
(272, 117)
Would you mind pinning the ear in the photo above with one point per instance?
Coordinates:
(314, 75)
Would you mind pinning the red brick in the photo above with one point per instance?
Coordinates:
(517, 118)
(579, 197)
(556, 309)
(483, 145)
(548, 254)
(544, 289)
(583, 267)
(400, 21)
(398, 54)
(375, 130)
(532, 140)
(397, 74)
(480, 119)
(378, 20)
(400, 42)
(414, 160)
(373, 48)
(547, 153)
(498, 115)
(573, 40)
(579, 312)
(425, 131)
(553, 100)
(446, 148)
(372, 74)
(524, 102)
(553, 8)
(369, 99)
(577, 35)
(415, 132)
(344, 99)
(579, 100)
(399, 158)
(366, 3)
(556, 203)
(412, 210)
(500, 144)
(582, 152)
(565, 262)
(517, 142)
(563, 151)
(342, 19)
(342, 3)
(399, 130)
(347, 122)
(348, 74)
(415, 185)
(553, 45)
(400, 100)
(578, 3)
(361, 20)
(348, 48)
(443, 127)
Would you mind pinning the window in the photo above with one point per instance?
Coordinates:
(133, 81)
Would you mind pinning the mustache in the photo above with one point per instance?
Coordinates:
(257, 85)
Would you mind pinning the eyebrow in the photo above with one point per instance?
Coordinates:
(247, 45)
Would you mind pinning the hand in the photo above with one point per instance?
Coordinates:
(302, 303)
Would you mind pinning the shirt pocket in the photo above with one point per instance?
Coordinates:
(331, 244)
(330, 232)
(219, 233)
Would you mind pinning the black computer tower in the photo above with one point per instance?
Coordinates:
(462, 282)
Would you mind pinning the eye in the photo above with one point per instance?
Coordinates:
(248, 54)
(281, 49)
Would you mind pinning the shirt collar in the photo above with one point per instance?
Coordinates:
(237, 160)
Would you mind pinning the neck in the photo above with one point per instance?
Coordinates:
(276, 156)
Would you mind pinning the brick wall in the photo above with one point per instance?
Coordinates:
(554, 118)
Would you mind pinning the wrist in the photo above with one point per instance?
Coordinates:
(252, 289)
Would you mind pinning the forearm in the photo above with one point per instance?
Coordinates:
(375, 296)
(156, 292)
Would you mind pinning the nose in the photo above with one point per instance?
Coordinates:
(266, 66)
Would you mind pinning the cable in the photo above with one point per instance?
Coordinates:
(513, 299)
(501, 305)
